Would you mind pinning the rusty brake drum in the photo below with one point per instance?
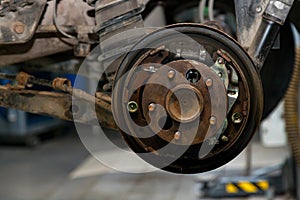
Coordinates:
(187, 98)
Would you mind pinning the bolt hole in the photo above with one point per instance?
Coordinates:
(237, 118)
(193, 76)
(165, 123)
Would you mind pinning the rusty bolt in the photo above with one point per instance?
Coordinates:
(213, 120)
(171, 74)
(23, 78)
(151, 107)
(209, 82)
(237, 118)
(61, 84)
(177, 135)
(132, 106)
(19, 27)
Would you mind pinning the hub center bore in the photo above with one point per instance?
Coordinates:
(184, 103)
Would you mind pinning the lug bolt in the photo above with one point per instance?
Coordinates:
(213, 120)
(225, 138)
(132, 106)
(151, 107)
(193, 75)
(171, 74)
(237, 118)
(209, 82)
(177, 135)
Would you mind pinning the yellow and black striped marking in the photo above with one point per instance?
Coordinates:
(247, 187)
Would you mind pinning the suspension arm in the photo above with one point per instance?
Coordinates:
(58, 105)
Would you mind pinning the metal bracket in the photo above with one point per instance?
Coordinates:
(258, 24)
(19, 26)
(248, 16)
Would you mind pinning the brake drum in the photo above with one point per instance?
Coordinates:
(187, 98)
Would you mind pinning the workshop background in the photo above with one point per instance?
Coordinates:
(43, 158)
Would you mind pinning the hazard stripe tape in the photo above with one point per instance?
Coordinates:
(247, 187)
(231, 188)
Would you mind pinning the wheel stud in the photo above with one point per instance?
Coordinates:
(213, 120)
(177, 135)
(151, 107)
(209, 82)
(171, 74)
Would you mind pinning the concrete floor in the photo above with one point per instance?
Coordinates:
(62, 169)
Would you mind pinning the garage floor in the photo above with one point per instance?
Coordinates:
(62, 169)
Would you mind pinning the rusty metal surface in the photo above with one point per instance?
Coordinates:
(11, 54)
(19, 25)
(57, 105)
(71, 104)
(47, 40)
(60, 83)
(249, 16)
(181, 107)
(22, 78)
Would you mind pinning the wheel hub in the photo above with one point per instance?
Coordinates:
(181, 107)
